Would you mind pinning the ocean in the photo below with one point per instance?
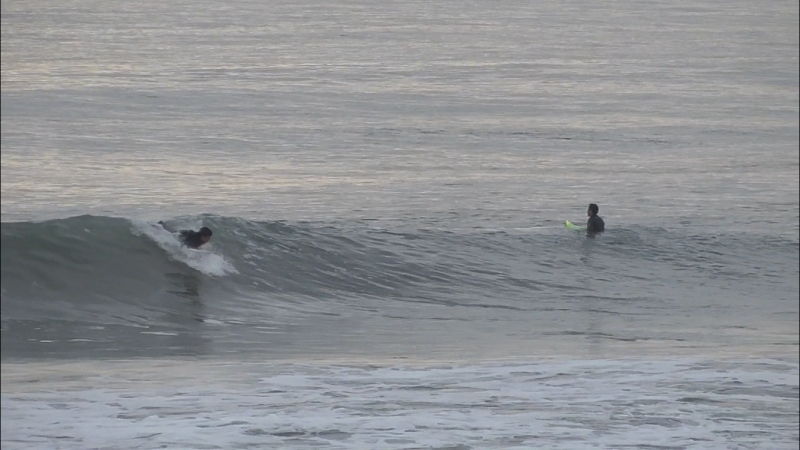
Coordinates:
(387, 183)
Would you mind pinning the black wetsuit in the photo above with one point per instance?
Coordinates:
(191, 238)
(595, 225)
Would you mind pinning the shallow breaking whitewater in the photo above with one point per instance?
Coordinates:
(554, 404)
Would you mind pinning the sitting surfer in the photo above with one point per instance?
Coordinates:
(194, 239)
(595, 223)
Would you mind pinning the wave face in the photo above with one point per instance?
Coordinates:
(102, 284)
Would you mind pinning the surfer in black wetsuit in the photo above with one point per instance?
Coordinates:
(194, 239)
(595, 224)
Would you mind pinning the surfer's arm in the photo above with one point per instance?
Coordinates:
(164, 225)
(591, 226)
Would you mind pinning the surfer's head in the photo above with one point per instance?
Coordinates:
(205, 234)
(593, 210)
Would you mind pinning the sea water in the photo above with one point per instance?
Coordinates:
(387, 184)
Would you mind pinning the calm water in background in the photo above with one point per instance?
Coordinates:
(387, 184)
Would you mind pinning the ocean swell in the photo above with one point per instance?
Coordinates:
(107, 269)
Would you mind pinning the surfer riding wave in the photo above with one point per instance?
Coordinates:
(194, 239)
